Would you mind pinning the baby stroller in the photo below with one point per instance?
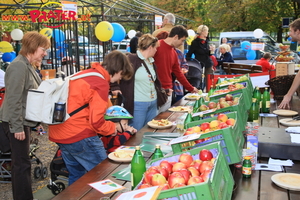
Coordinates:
(195, 75)
(58, 171)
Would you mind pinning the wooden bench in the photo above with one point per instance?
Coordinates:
(238, 68)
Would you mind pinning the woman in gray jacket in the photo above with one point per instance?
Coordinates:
(21, 76)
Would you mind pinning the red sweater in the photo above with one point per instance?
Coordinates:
(167, 62)
(265, 65)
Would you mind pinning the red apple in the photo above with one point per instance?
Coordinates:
(223, 125)
(204, 126)
(188, 132)
(196, 164)
(158, 179)
(205, 155)
(222, 117)
(230, 122)
(185, 158)
(153, 169)
(167, 165)
(205, 174)
(164, 172)
(205, 165)
(186, 174)
(165, 187)
(195, 180)
(145, 185)
(175, 178)
(199, 141)
(148, 176)
(203, 107)
(194, 171)
(178, 166)
(212, 105)
(228, 97)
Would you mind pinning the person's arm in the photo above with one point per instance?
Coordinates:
(287, 98)
(15, 81)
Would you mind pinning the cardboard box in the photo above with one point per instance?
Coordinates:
(285, 68)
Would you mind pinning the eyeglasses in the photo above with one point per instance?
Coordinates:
(44, 49)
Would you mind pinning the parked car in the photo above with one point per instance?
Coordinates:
(121, 46)
(87, 54)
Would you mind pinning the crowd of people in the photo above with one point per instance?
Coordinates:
(156, 62)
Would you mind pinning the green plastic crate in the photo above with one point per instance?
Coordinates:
(247, 93)
(248, 81)
(239, 108)
(231, 138)
(218, 187)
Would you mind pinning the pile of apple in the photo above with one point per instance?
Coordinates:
(233, 80)
(224, 102)
(186, 171)
(231, 87)
(221, 122)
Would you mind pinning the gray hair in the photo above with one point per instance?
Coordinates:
(170, 17)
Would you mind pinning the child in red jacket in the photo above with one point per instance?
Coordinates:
(120, 116)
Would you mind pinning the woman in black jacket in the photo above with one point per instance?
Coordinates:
(201, 49)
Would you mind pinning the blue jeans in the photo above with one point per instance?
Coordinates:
(82, 156)
(143, 112)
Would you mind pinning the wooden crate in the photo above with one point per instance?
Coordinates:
(285, 68)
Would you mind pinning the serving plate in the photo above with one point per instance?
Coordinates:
(286, 113)
(117, 159)
(289, 181)
(192, 96)
(289, 122)
(156, 126)
(180, 109)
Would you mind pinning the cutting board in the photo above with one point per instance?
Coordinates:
(287, 113)
(289, 122)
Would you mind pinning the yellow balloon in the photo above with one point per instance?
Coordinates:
(46, 32)
(189, 40)
(104, 31)
(6, 47)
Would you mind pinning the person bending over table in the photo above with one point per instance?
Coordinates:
(120, 117)
(166, 60)
(77, 137)
(295, 35)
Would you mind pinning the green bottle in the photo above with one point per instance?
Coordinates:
(247, 167)
(265, 107)
(253, 112)
(197, 104)
(188, 119)
(257, 95)
(157, 153)
(138, 167)
(211, 91)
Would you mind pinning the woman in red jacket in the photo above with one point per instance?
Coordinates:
(264, 62)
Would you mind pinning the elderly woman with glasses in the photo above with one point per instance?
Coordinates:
(139, 91)
(20, 77)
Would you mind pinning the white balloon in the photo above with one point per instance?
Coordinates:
(69, 34)
(258, 33)
(17, 34)
(191, 32)
(131, 33)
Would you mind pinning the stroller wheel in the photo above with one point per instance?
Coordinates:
(57, 188)
(37, 172)
(44, 172)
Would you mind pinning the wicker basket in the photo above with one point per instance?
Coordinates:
(280, 85)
